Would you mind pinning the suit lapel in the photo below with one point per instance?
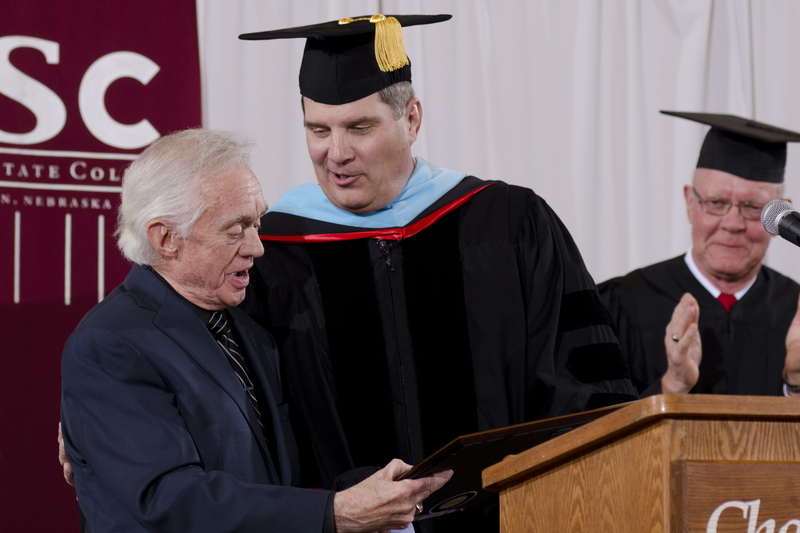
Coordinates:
(178, 321)
(182, 325)
(267, 376)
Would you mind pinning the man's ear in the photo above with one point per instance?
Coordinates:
(413, 119)
(688, 195)
(162, 239)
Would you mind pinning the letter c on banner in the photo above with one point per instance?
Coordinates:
(47, 107)
(91, 99)
(744, 506)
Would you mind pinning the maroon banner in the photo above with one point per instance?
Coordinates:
(84, 87)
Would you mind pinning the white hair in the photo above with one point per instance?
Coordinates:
(166, 182)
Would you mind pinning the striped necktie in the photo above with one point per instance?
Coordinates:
(218, 324)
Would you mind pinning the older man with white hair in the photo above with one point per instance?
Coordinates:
(172, 407)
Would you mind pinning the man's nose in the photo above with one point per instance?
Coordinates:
(252, 246)
(341, 152)
(733, 220)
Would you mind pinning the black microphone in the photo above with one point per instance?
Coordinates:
(779, 218)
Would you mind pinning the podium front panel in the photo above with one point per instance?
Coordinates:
(736, 496)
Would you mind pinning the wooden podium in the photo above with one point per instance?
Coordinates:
(709, 464)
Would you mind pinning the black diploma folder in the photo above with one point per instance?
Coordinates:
(468, 455)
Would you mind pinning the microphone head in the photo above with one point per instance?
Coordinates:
(772, 213)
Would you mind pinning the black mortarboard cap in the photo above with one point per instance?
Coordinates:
(742, 147)
(348, 59)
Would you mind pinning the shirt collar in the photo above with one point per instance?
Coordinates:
(203, 314)
(715, 292)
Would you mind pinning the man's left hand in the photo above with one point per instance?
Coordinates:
(62, 458)
(380, 503)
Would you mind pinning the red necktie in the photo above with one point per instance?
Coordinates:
(727, 300)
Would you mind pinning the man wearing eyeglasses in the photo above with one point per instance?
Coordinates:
(715, 320)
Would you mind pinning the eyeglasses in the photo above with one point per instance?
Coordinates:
(719, 207)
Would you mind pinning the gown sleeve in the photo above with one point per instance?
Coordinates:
(574, 357)
(621, 304)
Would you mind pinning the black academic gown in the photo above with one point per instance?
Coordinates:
(743, 351)
(392, 345)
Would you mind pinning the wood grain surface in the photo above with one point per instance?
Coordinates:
(615, 474)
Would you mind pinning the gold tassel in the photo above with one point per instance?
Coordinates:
(389, 49)
(390, 53)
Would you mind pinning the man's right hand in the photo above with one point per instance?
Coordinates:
(379, 503)
(683, 355)
(792, 363)
(62, 458)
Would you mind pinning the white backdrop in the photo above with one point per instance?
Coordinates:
(561, 96)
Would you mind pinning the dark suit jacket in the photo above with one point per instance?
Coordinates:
(157, 426)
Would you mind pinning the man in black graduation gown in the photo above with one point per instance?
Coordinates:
(715, 320)
(412, 303)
